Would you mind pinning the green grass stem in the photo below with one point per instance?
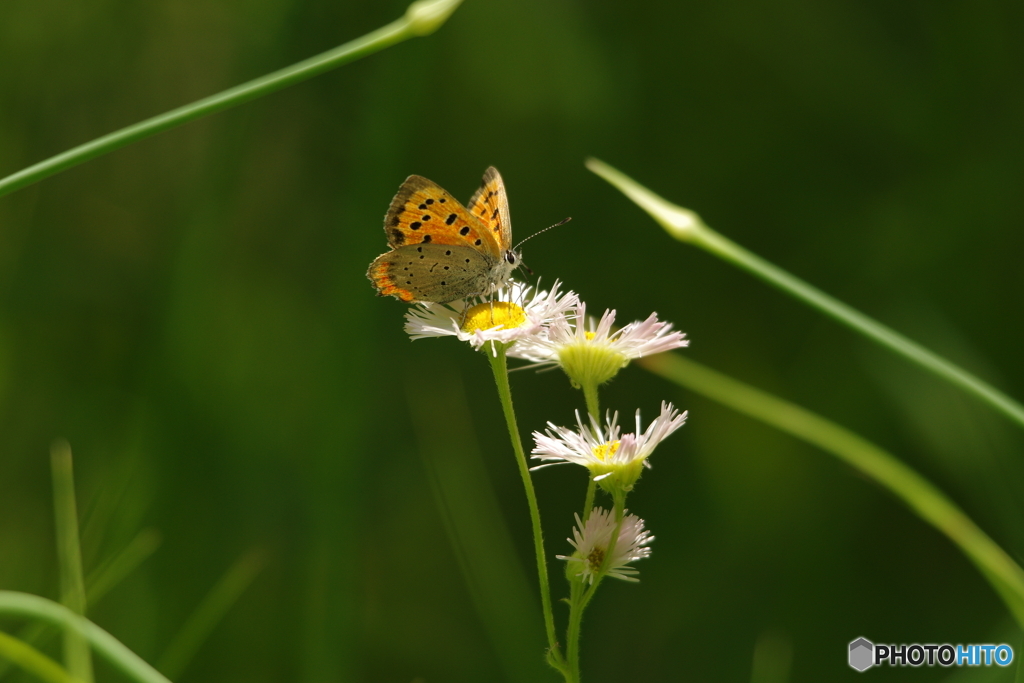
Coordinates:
(422, 18)
(97, 584)
(15, 604)
(33, 661)
(214, 606)
(687, 226)
(109, 574)
(920, 495)
(69, 557)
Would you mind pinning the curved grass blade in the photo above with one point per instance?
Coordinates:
(422, 18)
(927, 501)
(18, 604)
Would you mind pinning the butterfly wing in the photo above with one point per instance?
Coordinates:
(440, 251)
(490, 205)
(430, 272)
(424, 213)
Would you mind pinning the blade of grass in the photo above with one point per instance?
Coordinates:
(97, 584)
(209, 613)
(32, 660)
(422, 18)
(920, 495)
(107, 646)
(69, 556)
(113, 571)
(687, 226)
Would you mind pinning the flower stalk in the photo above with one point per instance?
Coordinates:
(622, 543)
(549, 328)
(499, 366)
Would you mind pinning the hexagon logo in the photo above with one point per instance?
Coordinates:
(862, 654)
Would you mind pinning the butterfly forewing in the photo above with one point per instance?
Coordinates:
(422, 213)
(490, 205)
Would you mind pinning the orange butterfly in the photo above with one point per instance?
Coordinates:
(440, 250)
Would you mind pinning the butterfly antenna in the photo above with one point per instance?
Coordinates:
(561, 222)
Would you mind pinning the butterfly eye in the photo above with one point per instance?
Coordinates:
(510, 256)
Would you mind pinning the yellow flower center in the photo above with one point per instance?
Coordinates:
(606, 450)
(589, 335)
(596, 558)
(492, 314)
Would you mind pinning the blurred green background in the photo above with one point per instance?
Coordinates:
(191, 313)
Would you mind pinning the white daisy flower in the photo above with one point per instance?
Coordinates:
(614, 461)
(592, 353)
(592, 540)
(515, 312)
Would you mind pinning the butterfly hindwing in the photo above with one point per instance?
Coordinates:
(430, 272)
(423, 213)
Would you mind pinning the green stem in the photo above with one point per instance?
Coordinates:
(580, 597)
(499, 366)
(32, 660)
(97, 584)
(590, 395)
(572, 634)
(69, 555)
(1005, 575)
(420, 19)
(686, 226)
(127, 662)
(588, 503)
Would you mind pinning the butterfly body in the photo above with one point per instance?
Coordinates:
(442, 251)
